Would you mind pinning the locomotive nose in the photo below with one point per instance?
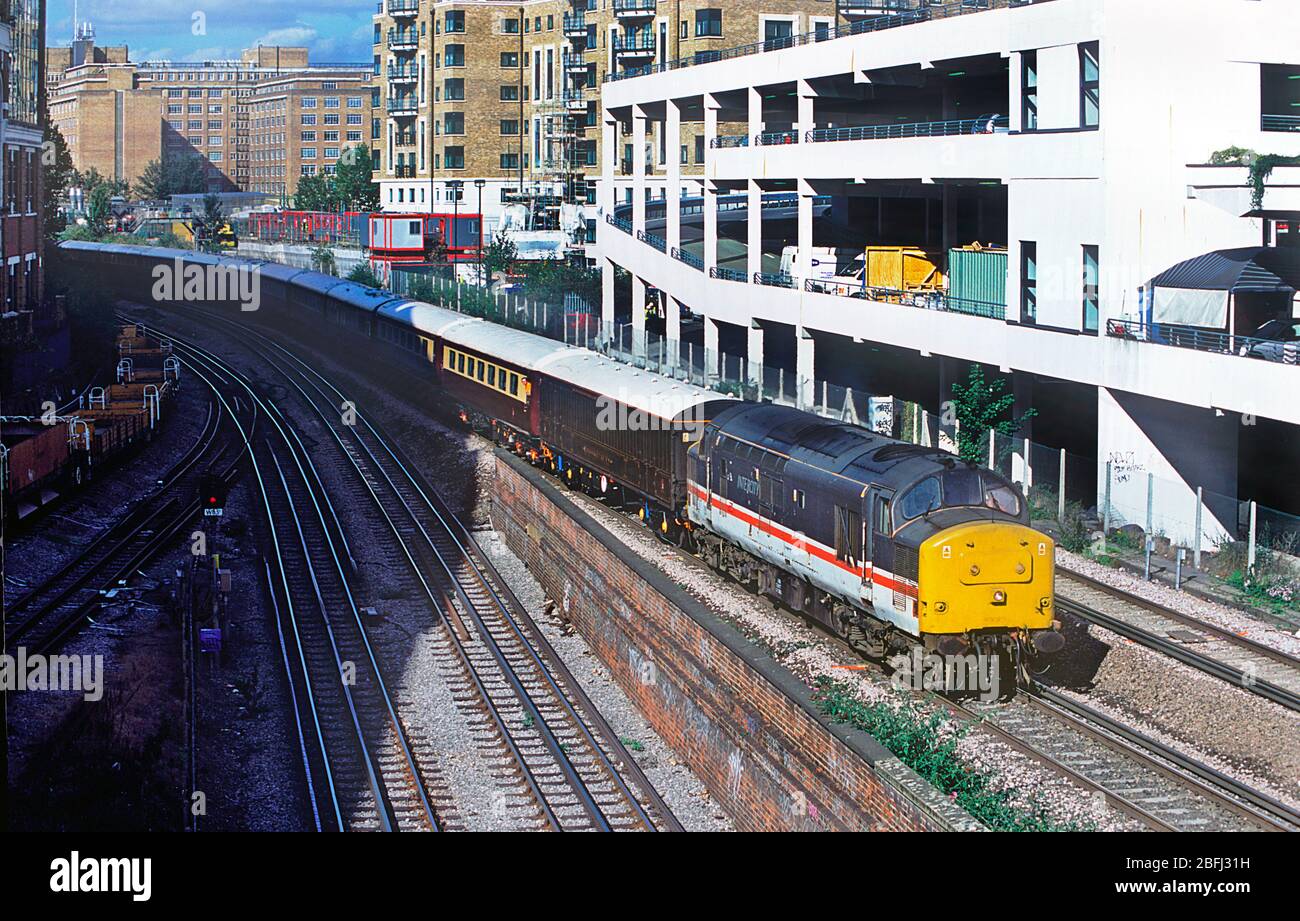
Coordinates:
(987, 575)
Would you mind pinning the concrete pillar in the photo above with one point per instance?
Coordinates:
(638, 316)
(1181, 448)
(638, 169)
(949, 217)
(755, 112)
(710, 227)
(803, 265)
(673, 329)
(754, 228)
(673, 132)
(607, 298)
(754, 354)
(608, 158)
(805, 368)
(710, 349)
(944, 427)
(807, 121)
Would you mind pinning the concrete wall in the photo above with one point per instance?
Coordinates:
(747, 726)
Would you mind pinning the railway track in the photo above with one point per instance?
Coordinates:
(567, 766)
(1238, 660)
(362, 769)
(1157, 786)
(45, 617)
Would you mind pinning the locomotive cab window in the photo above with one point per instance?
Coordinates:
(921, 499)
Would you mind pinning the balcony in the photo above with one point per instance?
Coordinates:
(985, 124)
(404, 139)
(658, 243)
(730, 140)
(728, 274)
(575, 101)
(776, 138)
(403, 107)
(402, 8)
(621, 223)
(1205, 340)
(574, 63)
(924, 299)
(403, 75)
(403, 40)
(1279, 123)
(575, 25)
(628, 47)
(634, 9)
(868, 9)
(404, 171)
(694, 262)
(774, 279)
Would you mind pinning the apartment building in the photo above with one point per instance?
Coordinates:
(302, 125)
(507, 95)
(1053, 165)
(118, 116)
(21, 137)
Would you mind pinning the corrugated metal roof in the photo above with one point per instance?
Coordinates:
(1254, 269)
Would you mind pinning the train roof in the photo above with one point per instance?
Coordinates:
(515, 346)
(422, 317)
(836, 447)
(319, 282)
(361, 296)
(642, 390)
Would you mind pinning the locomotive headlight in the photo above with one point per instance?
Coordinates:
(999, 597)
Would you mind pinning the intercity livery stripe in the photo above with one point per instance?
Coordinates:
(802, 542)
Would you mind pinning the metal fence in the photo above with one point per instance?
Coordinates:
(1205, 340)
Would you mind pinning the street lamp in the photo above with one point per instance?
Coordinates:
(478, 184)
(454, 186)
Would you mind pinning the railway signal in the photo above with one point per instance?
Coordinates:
(212, 495)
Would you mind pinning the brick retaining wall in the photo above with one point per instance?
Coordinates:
(745, 724)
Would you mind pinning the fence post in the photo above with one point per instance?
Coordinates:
(1250, 548)
(1196, 545)
(1029, 470)
(992, 448)
(780, 384)
(1105, 512)
(1151, 502)
(1060, 498)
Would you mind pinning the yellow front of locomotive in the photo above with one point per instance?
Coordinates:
(989, 577)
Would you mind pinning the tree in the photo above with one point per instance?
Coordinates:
(313, 194)
(98, 209)
(58, 171)
(500, 255)
(362, 274)
(980, 405)
(173, 175)
(354, 183)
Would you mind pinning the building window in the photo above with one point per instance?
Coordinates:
(454, 56)
(510, 26)
(1089, 85)
(708, 23)
(308, 153)
(699, 148)
(1029, 91)
(510, 161)
(510, 59)
(454, 89)
(1028, 282)
(453, 123)
(455, 21)
(453, 157)
(510, 126)
(1091, 295)
(509, 93)
(309, 102)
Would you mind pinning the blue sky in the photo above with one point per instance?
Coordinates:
(334, 30)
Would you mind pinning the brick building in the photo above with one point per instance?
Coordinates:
(118, 116)
(508, 93)
(21, 231)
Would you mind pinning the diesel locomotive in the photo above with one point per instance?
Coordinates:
(890, 545)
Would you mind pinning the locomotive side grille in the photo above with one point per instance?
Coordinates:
(906, 565)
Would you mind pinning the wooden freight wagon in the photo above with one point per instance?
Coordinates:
(36, 458)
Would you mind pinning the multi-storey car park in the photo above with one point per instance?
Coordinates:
(508, 94)
(1050, 168)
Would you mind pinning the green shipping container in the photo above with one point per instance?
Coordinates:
(978, 275)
